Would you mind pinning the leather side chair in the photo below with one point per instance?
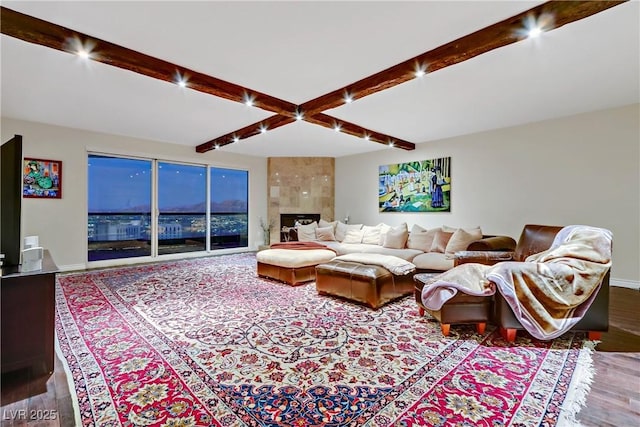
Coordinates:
(535, 239)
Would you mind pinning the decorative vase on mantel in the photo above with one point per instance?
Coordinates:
(267, 237)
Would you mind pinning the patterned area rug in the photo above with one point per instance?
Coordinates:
(206, 342)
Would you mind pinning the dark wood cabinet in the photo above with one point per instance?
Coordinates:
(28, 315)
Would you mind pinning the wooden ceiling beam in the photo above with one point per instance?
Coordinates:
(553, 14)
(38, 31)
(257, 128)
(358, 131)
(319, 119)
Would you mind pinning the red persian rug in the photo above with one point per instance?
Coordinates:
(207, 343)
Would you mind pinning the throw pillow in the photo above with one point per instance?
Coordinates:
(322, 224)
(307, 232)
(421, 238)
(371, 235)
(353, 236)
(440, 241)
(341, 230)
(396, 238)
(384, 228)
(461, 239)
(325, 233)
(453, 229)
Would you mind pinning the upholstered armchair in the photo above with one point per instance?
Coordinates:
(537, 239)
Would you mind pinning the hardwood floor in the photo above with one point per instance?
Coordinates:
(614, 398)
(50, 403)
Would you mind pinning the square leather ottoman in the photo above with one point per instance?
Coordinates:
(371, 285)
(291, 266)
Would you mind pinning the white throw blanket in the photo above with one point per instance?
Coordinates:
(395, 265)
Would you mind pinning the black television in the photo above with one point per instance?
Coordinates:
(11, 197)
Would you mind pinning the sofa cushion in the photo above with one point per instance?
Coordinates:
(371, 235)
(384, 228)
(406, 254)
(294, 259)
(461, 239)
(396, 238)
(440, 241)
(421, 238)
(307, 232)
(353, 236)
(342, 228)
(433, 261)
(351, 248)
(325, 233)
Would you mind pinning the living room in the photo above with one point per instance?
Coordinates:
(555, 167)
(573, 170)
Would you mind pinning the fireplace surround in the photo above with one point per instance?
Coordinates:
(299, 185)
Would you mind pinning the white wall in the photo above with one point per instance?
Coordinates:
(582, 169)
(62, 224)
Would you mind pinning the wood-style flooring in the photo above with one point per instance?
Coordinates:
(614, 398)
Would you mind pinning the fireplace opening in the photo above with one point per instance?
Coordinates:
(288, 222)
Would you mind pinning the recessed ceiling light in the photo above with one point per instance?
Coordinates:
(419, 69)
(299, 115)
(84, 54)
(216, 146)
(366, 137)
(337, 128)
(236, 139)
(534, 32)
(348, 98)
(180, 79)
(263, 129)
(533, 26)
(248, 102)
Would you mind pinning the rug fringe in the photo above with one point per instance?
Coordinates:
(579, 387)
(70, 384)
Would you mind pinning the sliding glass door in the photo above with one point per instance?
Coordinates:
(229, 208)
(182, 207)
(119, 220)
(123, 193)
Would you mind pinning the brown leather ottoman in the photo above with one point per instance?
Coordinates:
(290, 265)
(371, 285)
(460, 309)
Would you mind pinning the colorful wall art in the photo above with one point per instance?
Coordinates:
(421, 186)
(42, 178)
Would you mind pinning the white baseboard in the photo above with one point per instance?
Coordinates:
(623, 283)
(123, 262)
(72, 267)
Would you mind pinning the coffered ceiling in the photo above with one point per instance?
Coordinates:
(285, 55)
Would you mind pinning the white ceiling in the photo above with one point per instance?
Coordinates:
(297, 51)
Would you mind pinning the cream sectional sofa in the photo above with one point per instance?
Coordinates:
(428, 249)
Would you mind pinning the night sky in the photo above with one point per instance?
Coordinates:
(124, 185)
